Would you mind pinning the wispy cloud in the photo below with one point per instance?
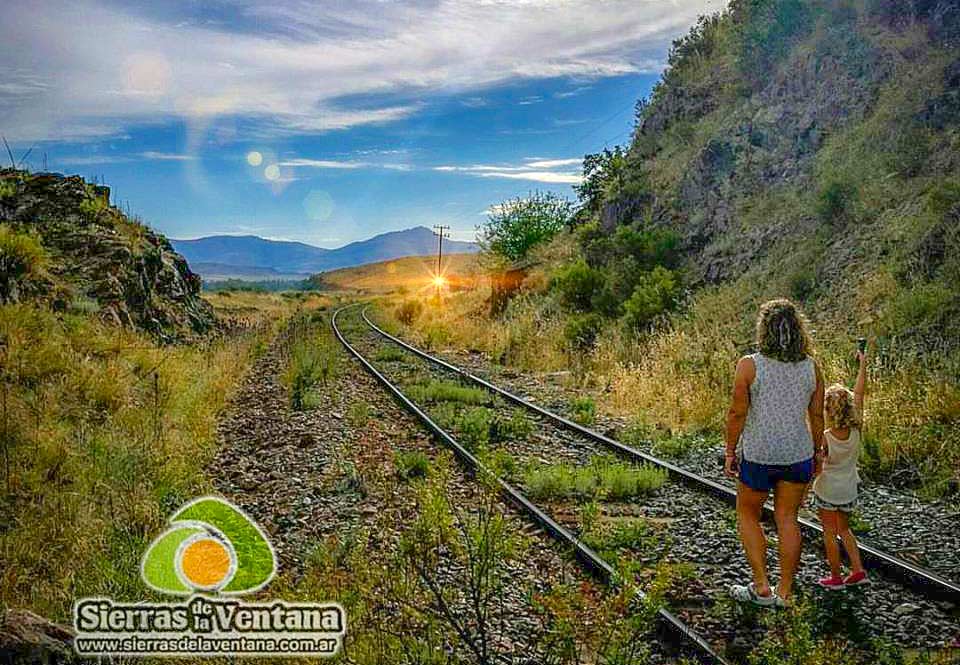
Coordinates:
(553, 163)
(538, 176)
(167, 156)
(535, 169)
(89, 68)
(342, 164)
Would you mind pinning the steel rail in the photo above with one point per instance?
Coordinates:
(596, 565)
(932, 583)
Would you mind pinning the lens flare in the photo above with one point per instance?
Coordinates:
(147, 74)
(272, 172)
(254, 158)
(439, 281)
(318, 205)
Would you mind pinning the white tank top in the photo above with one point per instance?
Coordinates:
(776, 431)
(837, 483)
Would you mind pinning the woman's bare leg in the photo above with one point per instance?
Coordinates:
(787, 498)
(749, 510)
(828, 518)
(849, 542)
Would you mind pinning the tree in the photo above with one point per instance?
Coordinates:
(518, 225)
(601, 170)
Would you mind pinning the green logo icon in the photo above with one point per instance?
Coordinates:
(211, 546)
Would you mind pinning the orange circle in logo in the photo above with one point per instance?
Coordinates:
(205, 562)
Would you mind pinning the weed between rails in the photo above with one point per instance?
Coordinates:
(450, 592)
(603, 478)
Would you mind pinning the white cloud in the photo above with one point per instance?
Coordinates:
(342, 164)
(553, 163)
(167, 156)
(538, 176)
(88, 68)
(536, 169)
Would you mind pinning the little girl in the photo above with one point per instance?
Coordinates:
(835, 489)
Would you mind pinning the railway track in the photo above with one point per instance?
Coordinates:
(691, 621)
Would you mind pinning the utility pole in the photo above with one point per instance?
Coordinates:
(442, 232)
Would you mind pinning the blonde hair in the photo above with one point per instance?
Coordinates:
(782, 331)
(838, 408)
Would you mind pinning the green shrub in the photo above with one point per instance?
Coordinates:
(577, 283)
(656, 293)
(581, 330)
(583, 410)
(447, 391)
(313, 362)
(411, 464)
(835, 202)
(22, 259)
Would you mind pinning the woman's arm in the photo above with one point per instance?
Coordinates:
(815, 416)
(737, 413)
(860, 389)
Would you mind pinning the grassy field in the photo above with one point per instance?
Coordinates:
(676, 380)
(103, 433)
(411, 274)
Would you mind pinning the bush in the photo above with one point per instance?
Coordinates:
(656, 293)
(577, 283)
(835, 202)
(409, 311)
(581, 330)
(517, 226)
(411, 464)
(22, 259)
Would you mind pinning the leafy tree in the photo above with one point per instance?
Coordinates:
(600, 171)
(518, 225)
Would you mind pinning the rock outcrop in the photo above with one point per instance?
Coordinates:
(96, 259)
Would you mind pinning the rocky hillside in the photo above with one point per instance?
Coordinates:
(62, 242)
(811, 149)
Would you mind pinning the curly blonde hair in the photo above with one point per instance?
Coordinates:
(839, 409)
(782, 331)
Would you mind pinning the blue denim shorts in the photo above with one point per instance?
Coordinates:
(763, 477)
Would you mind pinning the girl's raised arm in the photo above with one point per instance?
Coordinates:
(859, 390)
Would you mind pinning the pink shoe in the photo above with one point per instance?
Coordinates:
(857, 579)
(832, 583)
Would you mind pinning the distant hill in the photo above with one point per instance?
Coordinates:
(249, 256)
(412, 273)
(220, 271)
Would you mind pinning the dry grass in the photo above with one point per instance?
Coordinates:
(104, 433)
(677, 380)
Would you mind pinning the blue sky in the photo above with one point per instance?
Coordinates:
(328, 122)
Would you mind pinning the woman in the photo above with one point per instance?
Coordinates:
(776, 392)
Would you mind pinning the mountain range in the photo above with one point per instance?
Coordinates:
(256, 258)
